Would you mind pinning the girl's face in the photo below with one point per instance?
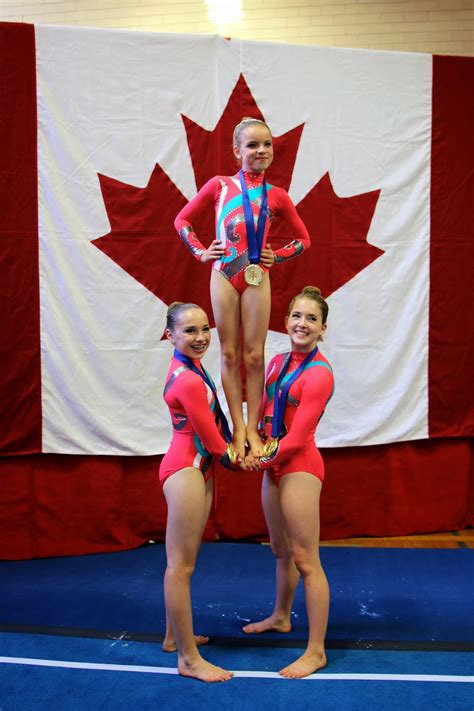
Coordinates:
(255, 150)
(191, 335)
(305, 325)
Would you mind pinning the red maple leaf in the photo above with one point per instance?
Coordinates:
(142, 239)
(339, 249)
(211, 151)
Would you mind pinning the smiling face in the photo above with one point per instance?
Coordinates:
(305, 324)
(191, 334)
(255, 148)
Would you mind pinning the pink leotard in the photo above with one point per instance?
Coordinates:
(225, 195)
(196, 438)
(307, 399)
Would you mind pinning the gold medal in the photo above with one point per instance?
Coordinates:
(270, 447)
(231, 453)
(253, 274)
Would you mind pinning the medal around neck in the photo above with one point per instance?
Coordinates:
(253, 274)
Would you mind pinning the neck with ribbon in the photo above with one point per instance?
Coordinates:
(188, 362)
(282, 390)
(254, 237)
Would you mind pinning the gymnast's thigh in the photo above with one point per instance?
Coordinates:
(177, 458)
(308, 459)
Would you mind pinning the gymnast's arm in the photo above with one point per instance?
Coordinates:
(204, 200)
(191, 392)
(285, 209)
(315, 393)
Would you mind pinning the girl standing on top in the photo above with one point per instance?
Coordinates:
(245, 206)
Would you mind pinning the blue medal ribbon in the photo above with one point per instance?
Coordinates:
(187, 361)
(254, 238)
(281, 390)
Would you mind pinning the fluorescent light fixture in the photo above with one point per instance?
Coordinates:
(224, 12)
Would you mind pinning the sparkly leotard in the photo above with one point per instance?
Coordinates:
(307, 399)
(225, 194)
(196, 437)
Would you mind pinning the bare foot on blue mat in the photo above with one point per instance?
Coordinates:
(269, 624)
(202, 670)
(305, 665)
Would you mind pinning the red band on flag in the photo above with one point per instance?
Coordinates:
(20, 374)
(451, 382)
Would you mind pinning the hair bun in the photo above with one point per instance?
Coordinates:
(313, 293)
(311, 290)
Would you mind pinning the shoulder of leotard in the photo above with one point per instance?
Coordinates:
(183, 372)
(278, 359)
(319, 368)
(213, 184)
(278, 197)
(320, 356)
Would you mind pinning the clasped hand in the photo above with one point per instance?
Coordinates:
(250, 461)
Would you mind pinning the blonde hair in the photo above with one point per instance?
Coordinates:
(311, 292)
(245, 123)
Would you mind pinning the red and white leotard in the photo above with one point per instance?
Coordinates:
(307, 399)
(196, 437)
(224, 193)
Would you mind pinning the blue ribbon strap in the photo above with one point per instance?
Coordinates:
(208, 380)
(254, 238)
(282, 389)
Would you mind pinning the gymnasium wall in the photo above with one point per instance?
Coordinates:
(433, 26)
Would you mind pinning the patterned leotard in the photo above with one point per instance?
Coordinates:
(307, 399)
(225, 195)
(196, 437)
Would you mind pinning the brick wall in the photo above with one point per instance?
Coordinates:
(435, 26)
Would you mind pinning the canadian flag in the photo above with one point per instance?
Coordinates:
(104, 137)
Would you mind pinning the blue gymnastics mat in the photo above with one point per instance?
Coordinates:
(413, 598)
(51, 673)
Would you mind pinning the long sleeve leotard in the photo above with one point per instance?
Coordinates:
(307, 399)
(196, 437)
(225, 195)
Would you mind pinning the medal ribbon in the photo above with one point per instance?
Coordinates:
(254, 238)
(281, 390)
(208, 380)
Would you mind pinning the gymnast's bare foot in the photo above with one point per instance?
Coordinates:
(255, 443)
(239, 438)
(169, 644)
(202, 670)
(305, 665)
(269, 624)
